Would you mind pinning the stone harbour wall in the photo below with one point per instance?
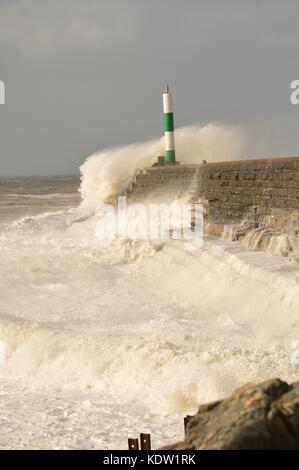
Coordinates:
(229, 190)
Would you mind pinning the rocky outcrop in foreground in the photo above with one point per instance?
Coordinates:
(261, 416)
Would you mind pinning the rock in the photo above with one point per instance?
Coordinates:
(261, 416)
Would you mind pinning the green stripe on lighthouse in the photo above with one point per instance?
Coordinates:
(170, 155)
(168, 122)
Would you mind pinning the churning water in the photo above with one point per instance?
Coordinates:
(100, 342)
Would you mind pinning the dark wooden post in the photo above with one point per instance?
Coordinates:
(186, 421)
(133, 444)
(145, 441)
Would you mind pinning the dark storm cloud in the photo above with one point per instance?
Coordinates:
(83, 75)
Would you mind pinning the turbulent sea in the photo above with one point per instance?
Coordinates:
(101, 342)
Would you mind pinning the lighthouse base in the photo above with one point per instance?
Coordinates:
(172, 163)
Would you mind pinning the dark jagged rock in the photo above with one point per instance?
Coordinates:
(256, 416)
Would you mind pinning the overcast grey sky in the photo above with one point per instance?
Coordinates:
(82, 75)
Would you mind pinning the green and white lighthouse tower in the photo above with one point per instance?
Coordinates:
(168, 127)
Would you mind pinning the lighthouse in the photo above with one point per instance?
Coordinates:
(168, 127)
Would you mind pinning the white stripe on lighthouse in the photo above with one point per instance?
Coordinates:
(167, 103)
(169, 141)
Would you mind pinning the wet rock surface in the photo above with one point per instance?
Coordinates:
(261, 416)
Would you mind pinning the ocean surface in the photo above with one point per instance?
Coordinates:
(99, 342)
